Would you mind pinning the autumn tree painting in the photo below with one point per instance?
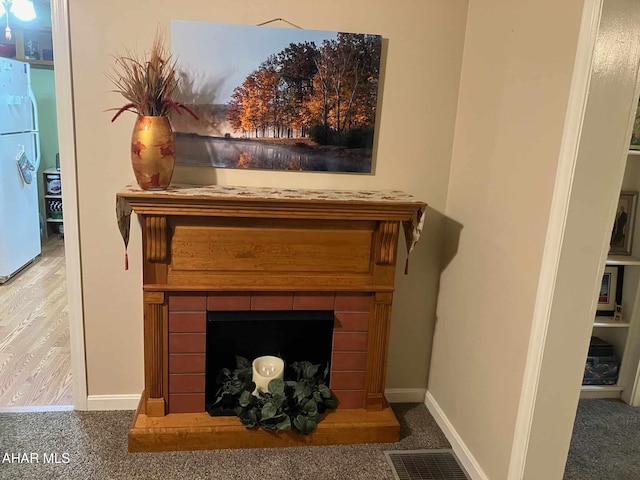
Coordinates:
(310, 105)
(328, 93)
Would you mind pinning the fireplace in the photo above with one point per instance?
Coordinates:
(227, 251)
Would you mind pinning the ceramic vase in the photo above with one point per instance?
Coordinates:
(152, 152)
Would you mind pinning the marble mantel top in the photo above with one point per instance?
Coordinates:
(275, 193)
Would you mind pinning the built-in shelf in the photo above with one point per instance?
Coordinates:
(601, 391)
(33, 46)
(634, 152)
(623, 260)
(609, 322)
(53, 200)
(602, 388)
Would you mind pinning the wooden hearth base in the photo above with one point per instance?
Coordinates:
(199, 431)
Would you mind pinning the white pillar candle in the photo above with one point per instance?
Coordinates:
(266, 369)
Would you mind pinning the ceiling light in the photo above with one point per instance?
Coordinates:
(21, 9)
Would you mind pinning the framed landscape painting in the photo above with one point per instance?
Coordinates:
(276, 98)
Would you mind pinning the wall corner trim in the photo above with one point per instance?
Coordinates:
(67, 149)
(113, 402)
(468, 461)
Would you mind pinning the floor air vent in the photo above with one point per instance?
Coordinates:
(425, 465)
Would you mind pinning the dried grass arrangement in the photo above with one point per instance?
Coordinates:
(150, 86)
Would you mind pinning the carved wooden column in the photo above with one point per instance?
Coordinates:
(385, 254)
(377, 349)
(155, 338)
(155, 317)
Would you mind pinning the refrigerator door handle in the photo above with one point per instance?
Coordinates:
(37, 140)
(36, 127)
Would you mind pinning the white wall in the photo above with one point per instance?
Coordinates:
(516, 75)
(597, 179)
(421, 74)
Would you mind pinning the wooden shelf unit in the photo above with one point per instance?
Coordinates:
(623, 260)
(601, 391)
(41, 35)
(609, 322)
(625, 335)
(55, 225)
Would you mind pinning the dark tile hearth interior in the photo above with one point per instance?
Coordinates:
(289, 334)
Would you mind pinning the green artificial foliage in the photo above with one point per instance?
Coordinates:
(289, 404)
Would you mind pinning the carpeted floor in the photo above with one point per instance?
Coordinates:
(95, 444)
(605, 443)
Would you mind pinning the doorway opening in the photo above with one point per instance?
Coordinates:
(35, 350)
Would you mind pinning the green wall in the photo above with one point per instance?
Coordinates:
(43, 86)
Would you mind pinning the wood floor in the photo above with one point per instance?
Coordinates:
(35, 360)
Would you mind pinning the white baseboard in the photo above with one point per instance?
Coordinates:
(405, 395)
(463, 453)
(49, 408)
(113, 402)
(130, 402)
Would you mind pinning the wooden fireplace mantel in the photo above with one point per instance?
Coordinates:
(237, 239)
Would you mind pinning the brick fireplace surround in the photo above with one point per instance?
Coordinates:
(187, 334)
(231, 248)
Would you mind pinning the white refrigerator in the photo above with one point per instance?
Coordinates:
(19, 160)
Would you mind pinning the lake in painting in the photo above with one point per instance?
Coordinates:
(195, 150)
(276, 98)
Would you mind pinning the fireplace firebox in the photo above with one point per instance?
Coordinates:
(234, 249)
(289, 334)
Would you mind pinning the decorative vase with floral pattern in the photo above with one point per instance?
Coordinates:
(153, 152)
